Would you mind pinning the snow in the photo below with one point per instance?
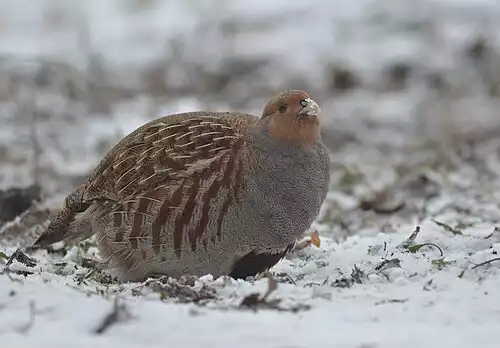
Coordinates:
(415, 305)
(404, 142)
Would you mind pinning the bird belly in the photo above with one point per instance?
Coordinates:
(135, 248)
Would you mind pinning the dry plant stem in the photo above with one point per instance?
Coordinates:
(486, 262)
(447, 227)
(417, 247)
(118, 313)
(25, 328)
(406, 244)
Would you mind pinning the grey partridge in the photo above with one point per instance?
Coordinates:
(221, 193)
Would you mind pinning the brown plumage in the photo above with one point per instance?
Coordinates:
(203, 192)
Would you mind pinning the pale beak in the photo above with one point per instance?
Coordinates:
(311, 109)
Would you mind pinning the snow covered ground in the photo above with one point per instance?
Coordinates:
(414, 142)
(429, 300)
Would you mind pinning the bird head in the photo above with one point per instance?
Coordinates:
(292, 116)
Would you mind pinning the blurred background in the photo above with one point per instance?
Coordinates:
(409, 89)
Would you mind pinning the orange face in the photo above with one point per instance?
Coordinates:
(293, 117)
(294, 103)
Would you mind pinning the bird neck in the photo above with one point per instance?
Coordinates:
(293, 130)
(267, 138)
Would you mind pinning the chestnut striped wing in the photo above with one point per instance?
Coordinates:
(160, 152)
(178, 188)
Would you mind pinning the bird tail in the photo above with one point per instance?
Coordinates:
(72, 224)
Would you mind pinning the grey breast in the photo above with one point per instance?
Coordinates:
(286, 195)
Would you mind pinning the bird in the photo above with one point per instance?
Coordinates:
(197, 193)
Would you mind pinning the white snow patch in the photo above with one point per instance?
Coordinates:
(417, 304)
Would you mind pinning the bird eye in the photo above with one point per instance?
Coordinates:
(303, 103)
(282, 108)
